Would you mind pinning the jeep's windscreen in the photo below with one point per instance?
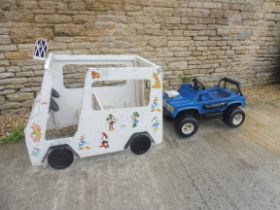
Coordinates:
(188, 92)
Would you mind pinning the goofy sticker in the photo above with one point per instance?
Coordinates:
(111, 120)
(155, 105)
(104, 139)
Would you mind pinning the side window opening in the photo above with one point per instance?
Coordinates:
(126, 94)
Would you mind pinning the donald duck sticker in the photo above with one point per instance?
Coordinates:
(83, 145)
(155, 124)
(155, 105)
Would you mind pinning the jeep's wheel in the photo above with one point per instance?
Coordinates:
(234, 118)
(186, 126)
(140, 144)
(60, 158)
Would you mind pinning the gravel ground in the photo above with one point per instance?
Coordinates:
(256, 94)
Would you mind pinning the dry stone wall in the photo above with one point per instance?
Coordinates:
(198, 38)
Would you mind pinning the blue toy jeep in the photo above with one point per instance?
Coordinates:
(193, 100)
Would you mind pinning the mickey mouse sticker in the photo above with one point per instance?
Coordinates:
(104, 139)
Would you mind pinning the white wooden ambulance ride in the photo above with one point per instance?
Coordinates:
(109, 118)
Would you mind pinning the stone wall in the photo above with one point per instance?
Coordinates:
(198, 38)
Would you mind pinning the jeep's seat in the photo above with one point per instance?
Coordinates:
(219, 93)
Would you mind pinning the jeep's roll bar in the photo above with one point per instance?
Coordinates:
(231, 81)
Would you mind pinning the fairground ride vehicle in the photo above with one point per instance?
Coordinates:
(117, 108)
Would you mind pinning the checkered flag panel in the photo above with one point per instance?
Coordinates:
(40, 49)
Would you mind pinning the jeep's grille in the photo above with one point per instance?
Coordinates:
(167, 107)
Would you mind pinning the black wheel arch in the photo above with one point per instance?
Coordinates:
(193, 112)
(233, 106)
(146, 133)
(51, 148)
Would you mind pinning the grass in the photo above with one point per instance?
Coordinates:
(15, 136)
(11, 127)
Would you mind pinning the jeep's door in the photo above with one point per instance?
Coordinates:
(210, 104)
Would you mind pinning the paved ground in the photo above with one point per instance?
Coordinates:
(219, 168)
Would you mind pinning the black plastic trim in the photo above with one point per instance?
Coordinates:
(214, 106)
(234, 82)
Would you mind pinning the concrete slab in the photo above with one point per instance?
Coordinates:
(218, 168)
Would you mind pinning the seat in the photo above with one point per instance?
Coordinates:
(219, 94)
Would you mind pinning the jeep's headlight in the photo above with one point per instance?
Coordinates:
(168, 107)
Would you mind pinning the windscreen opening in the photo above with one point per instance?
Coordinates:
(74, 75)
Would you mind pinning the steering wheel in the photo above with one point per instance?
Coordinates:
(197, 85)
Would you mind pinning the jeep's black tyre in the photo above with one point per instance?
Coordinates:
(234, 117)
(140, 144)
(60, 158)
(186, 125)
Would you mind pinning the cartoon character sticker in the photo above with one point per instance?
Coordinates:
(95, 75)
(37, 107)
(36, 152)
(135, 120)
(111, 120)
(36, 133)
(155, 105)
(157, 83)
(155, 123)
(44, 103)
(83, 145)
(104, 139)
